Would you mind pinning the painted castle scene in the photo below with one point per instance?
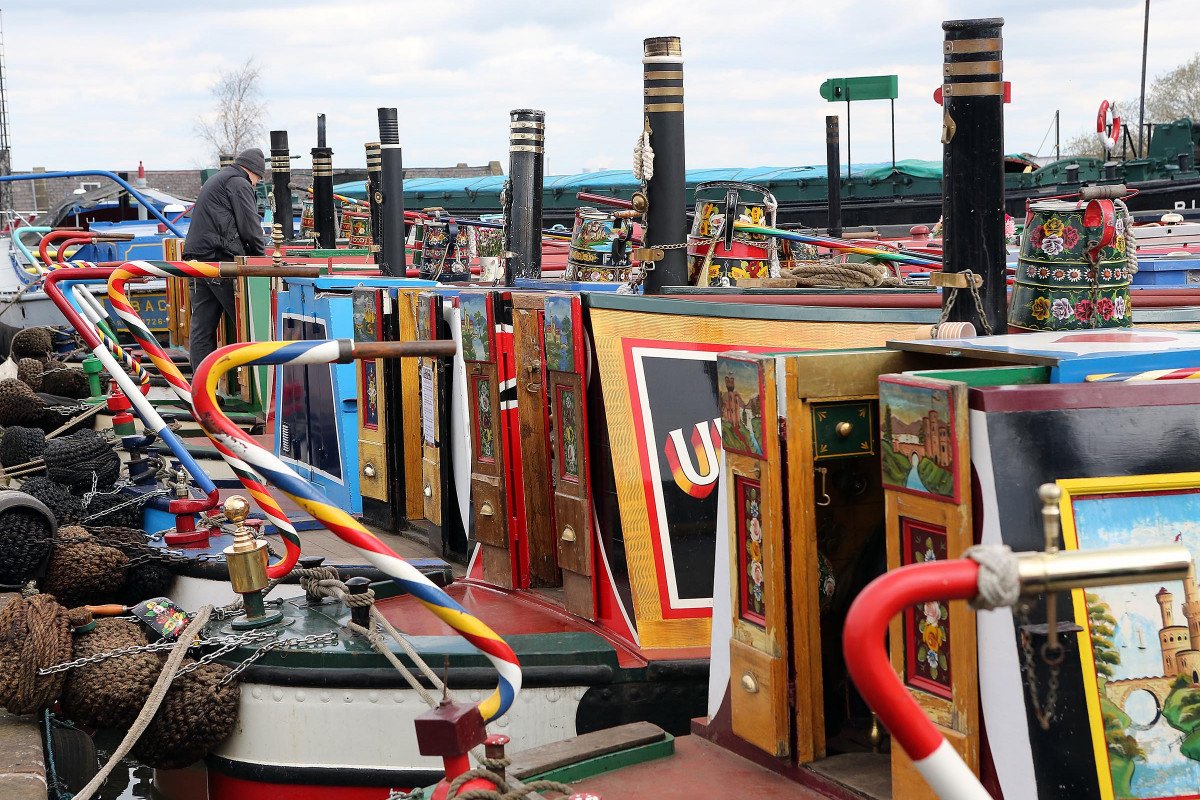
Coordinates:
(1145, 649)
(917, 439)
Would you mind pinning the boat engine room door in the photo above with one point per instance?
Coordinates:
(925, 453)
(566, 370)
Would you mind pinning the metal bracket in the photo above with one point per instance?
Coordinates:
(955, 280)
(651, 254)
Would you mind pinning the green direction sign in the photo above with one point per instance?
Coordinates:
(870, 87)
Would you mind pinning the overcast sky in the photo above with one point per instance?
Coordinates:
(104, 85)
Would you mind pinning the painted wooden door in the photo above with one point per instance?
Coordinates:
(533, 410)
(566, 368)
(489, 490)
(431, 377)
(373, 473)
(835, 503)
(925, 452)
(754, 476)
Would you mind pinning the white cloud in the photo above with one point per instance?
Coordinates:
(127, 81)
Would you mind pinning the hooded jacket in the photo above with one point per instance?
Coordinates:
(225, 221)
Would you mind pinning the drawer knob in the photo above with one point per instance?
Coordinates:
(844, 429)
(568, 534)
(428, 490)
(749, 684)
(486, 510)
(369, 470)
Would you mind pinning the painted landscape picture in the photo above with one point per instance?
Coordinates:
(740, 384)
(918, 439)
(475, 334)
(560, 333)
(1144, 649)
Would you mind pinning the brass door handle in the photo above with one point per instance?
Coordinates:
(844, 429)
(369, 470)
(486, 510)
(568, 534)
(749, 684)
(428, 490)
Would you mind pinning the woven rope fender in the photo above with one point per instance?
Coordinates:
(197, 714)
(142, 580)
(29, 371)
(74, 459)
(34, 633)
(25, 541)
(66, 507)
(18, 404)
(123, 514)
(66, 382)
(85, 571)
(110, 693)
(31, 343)
(20, 445)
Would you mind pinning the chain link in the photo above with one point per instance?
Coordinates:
(1043, 713)
(305, 643)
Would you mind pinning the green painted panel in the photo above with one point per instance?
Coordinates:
(611, 762)
(867, 87)
(990, 376)
(843, 429)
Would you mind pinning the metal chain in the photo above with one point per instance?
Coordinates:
(304, 643)
(949, 304)
(224, 643)
(1043, 713)
(228, 644)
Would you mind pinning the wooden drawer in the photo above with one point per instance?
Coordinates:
(758, 691)
(487, 504)
(844, 429)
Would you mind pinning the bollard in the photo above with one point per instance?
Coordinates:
(666, 191)
(281, 183)
(359, 615)
(523, 231)
(973, 167)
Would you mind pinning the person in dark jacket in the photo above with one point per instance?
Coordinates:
(225, 224)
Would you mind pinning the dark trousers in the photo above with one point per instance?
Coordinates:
(211, 298)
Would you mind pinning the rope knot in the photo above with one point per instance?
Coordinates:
(999, 580)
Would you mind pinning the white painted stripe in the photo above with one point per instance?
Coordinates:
(949, 777)
(1001, 691)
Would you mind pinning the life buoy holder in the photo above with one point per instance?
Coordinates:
(1108, 131)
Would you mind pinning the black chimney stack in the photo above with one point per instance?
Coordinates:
(322, 170)
(833, 169)
(390, 198)
(973, 167)
(523, 231)
(666, 191)
(281, 182)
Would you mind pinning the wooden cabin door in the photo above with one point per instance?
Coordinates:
(837, 541)
(373, 473)
(566, 368)
(533, 411)
(489, 490)
(430, 374)
(925, 450)
(760, 699)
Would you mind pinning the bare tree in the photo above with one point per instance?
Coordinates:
(1083, 145)
(236, 122)
(1175, 94)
